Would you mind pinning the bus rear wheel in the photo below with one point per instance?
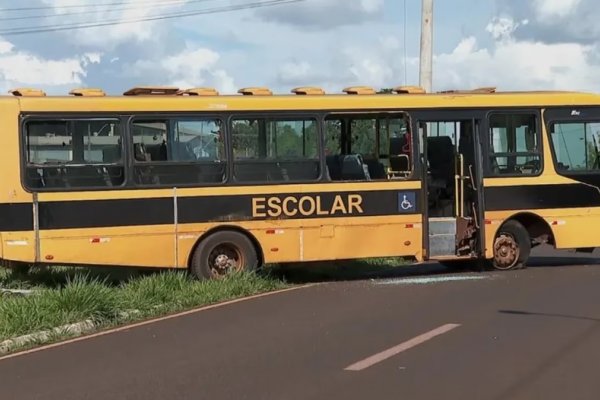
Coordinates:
(222, 254)
(512, 247)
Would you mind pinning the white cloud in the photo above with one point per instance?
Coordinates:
(376, 62)
(19, 68)
(109, 37)
(555, 8)
(324, 14)
(518, 64)
(296, 73)
(502, 28)
(505, 62)
(191, 67)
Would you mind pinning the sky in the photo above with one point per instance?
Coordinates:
(509, 44)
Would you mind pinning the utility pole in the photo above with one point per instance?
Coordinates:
(426, 69)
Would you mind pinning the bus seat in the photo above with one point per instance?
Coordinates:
(334, 167)
(157, 152)
(139, 152)
(114, 175)
(441, 154)
(376, 169)
(397, 145)
(354, 169)
(301, 170)
(399, 163)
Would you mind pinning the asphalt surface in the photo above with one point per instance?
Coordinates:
(532, 334)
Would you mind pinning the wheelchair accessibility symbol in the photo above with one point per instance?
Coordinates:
(406, 202)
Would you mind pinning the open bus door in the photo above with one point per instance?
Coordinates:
(453, 187)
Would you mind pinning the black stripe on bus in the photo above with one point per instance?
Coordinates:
(541, 197)
(160, 211)
(16, 217)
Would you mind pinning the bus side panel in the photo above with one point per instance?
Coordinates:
(130, 228)
(283, 241)
(575, 228)
(571, 228)
(18, 246)
(387, 236)
(143, 246)
(16, 215)
(278, 241)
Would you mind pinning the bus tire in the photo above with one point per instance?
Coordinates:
(512, 247)
(222, 254)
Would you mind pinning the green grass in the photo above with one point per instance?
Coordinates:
(107, 296)
(64, 296)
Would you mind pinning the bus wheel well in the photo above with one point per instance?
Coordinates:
(539, 230)
(230, 228)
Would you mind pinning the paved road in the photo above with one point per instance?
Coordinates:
(532, 334)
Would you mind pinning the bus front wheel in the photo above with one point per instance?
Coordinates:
(222, 254)
(512, 247)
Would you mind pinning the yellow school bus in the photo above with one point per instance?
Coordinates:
(190, 179)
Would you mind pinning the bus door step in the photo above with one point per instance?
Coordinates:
(442, 237)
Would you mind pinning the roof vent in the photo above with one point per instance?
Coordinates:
(255, 91)
(152, 91)
(308, 91)
(483, 90)
(361, 90)
(27, 92)
(87, 92)
(409, 90)
(202, 91)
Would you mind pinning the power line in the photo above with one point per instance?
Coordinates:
(108, 10)
(110, 4)
(64, 27)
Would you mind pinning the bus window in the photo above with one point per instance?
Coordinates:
(333, 137)
(367, 147)
(576, 146)
(514, 145)
(275, 150)
(178, 152)
(77, 153)
(449, 129)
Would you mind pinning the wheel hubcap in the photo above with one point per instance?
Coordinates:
(506, 252)
(225, 259)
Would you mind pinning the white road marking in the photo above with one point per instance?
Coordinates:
(432, 280)
(384, 355)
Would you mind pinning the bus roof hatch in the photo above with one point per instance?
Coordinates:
(308, 91)
(255, 91)
(200, 91)
(87, 92)
(483, 90)
(409, 90)
(27, 92)
(152, 91)
(360, 90)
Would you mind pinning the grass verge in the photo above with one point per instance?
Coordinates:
(66, 296)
